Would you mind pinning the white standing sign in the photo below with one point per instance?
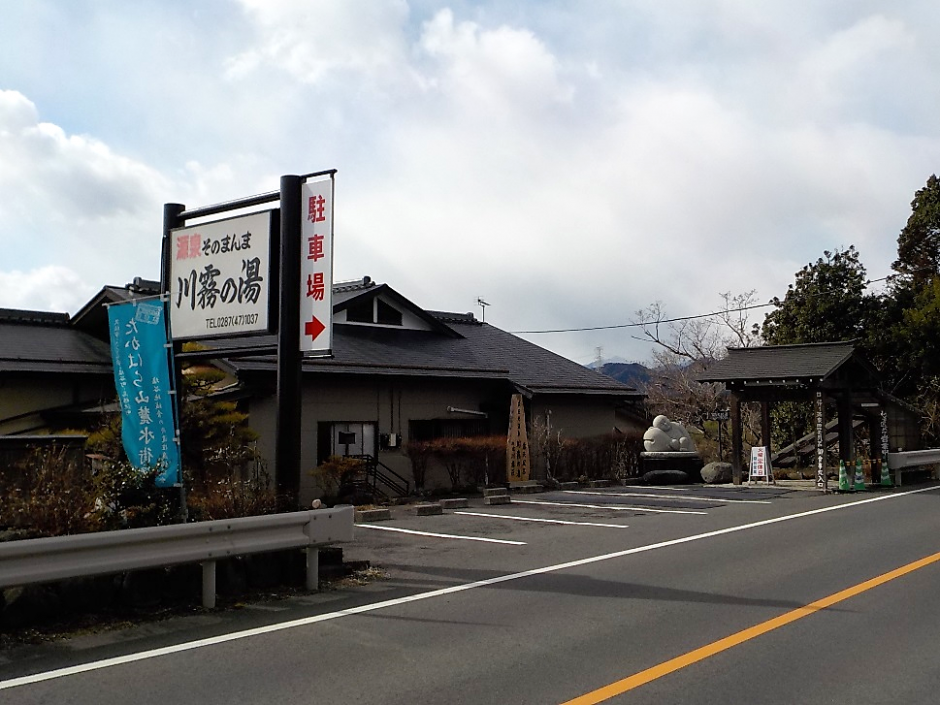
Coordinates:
(316, 267)
(220, 276)
(760, 464)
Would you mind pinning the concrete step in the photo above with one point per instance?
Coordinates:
(497, 499)
(426, 510)
(364, 516)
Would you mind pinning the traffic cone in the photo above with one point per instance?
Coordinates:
(843, 478)
(885, 473)
(859, 476)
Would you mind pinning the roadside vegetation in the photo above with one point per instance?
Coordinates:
(894, 319)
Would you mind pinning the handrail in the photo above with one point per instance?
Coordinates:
(43, 560)
(375, 476)
(402, 486)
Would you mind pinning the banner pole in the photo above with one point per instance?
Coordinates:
(172, 218)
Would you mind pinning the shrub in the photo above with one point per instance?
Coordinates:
(474, 460)
(609, 457)
(336, 474)
(419, 453)
(229, 497)
(55, 495)
(485, 462)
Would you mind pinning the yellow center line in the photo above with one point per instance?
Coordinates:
(702, 653)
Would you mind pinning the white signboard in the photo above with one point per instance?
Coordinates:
(316, 267)
(760, 461)
(220, 277)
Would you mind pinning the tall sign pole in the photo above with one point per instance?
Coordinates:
(172, 218)
(316, 268)
(289, 356)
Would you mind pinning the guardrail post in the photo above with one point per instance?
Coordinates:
(313, 569)
(208, 585)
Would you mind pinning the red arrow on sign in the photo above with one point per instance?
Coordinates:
(313, 328)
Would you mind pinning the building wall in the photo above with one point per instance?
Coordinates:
(22, 398)
(576, 417)
(390, 403)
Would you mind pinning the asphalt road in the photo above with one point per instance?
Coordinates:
(737, 595)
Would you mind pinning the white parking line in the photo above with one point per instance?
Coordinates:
(686, 498)
(438, 536)
(615, 507)
(374, 606)
(542, 521)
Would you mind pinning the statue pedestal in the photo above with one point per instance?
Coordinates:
(687, 462)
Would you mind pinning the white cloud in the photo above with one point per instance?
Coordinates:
(483, 71)
(571, 164)
(73, 210)
(50, 288)
(310, 40)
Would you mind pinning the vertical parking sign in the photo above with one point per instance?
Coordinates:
(316, 267)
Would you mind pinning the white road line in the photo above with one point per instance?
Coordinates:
(542, 521)
(614, 507)
(438, 536)
(666, 496)
(362, 609)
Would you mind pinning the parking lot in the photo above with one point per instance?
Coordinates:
(481, 540)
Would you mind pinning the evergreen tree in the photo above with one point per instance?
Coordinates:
(826, 303)
(919, 242)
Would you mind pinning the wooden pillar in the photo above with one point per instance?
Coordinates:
(765, 424)
(846, 445)
(874, 447)
(736, 439)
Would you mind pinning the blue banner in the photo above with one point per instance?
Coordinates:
(142, 376)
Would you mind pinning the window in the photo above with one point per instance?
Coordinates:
(387, 315)
(360, 312)
(447, 428)
(373, 311)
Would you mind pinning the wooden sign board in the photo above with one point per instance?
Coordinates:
(517, 443)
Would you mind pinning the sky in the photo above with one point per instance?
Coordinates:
(570, 163)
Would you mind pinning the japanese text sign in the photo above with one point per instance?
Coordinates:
(142, 378)
(316, 267)
(760, 461)
(220, 276)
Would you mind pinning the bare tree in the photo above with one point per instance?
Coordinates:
(686, 347)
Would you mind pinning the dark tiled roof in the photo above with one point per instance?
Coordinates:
(480, 352)
(93, 316)
(533, 367)
(50, 347)
(771, 362)
(16, 315)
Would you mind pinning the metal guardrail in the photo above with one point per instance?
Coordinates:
(911, 459)
(44, 560)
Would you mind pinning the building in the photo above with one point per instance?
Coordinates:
(401, 373)
(398, 373)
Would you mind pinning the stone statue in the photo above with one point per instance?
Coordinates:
(666, 436)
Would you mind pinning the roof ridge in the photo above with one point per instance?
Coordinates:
(833, 343)
(454, 317)
(16, 315)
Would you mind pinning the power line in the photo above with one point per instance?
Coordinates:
(670, 320)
